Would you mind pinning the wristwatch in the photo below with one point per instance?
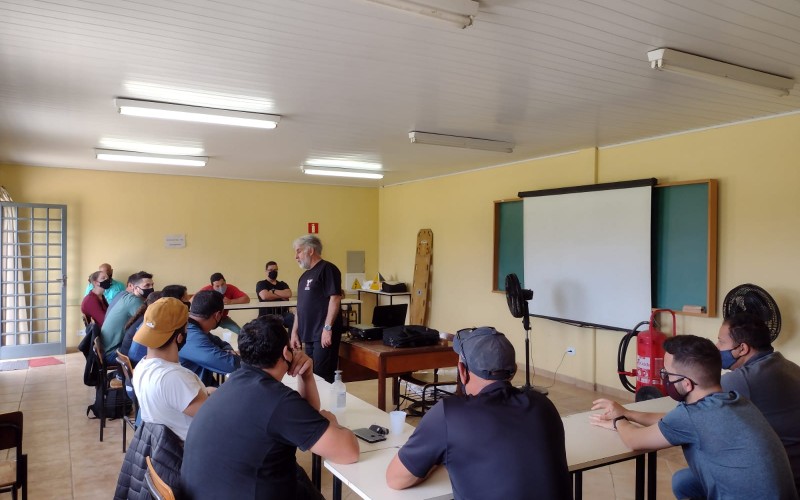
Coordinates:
(327, 328)
(614, 422)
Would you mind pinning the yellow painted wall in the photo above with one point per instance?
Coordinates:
(758, 168)
(233, 227)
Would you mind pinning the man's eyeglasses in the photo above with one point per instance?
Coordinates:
(665, 377)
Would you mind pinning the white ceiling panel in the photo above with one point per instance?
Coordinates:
(351, 78)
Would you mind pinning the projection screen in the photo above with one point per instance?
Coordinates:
(587, 253)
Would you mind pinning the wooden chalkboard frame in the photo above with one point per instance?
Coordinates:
(711, 257)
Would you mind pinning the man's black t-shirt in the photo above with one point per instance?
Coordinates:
(254, 457)
(314, 290)
(266, 285)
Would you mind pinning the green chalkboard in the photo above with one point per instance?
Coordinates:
(684, 245)
(509, 251)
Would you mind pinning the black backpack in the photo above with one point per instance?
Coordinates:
(117, 404)
(91, 372)
(410, 336)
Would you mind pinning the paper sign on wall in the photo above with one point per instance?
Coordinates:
(175, 241)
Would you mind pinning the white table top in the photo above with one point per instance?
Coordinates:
(587, 445)
(357, 414)
(279, 303)
(367, 478)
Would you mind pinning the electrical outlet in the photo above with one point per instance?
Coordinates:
(571, 351)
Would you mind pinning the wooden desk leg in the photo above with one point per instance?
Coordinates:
(316, 471)
(382, 386)
(395, 393)
(640, 477)
(337, 488)
(652, 474)
(578, 487)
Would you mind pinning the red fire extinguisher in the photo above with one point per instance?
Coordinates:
(649, 358)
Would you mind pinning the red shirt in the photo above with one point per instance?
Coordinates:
(231, 292)
(95, 306)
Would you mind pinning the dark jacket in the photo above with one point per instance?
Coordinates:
(165, 450)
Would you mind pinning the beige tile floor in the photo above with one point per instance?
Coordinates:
(66, 459)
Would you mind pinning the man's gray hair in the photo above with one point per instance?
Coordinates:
(309, 241)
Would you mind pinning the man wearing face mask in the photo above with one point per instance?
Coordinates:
(765, 377)
(497, 441)
(273, 290)
(113, 288)
(121, 310)
(206, 354)
(168, 393)
(731, 450)
(230, 295)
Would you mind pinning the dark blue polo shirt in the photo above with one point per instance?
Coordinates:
(501, 443)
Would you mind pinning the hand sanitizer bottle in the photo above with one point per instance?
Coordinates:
(338, 393)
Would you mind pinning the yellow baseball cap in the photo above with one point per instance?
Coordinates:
(161, 319)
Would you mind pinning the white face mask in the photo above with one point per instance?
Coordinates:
(222, 289)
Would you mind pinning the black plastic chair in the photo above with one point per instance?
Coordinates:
(104, 381)
(11, 437)
(128, 420)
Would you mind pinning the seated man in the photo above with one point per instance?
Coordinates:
(498, 442)
(272, 290)
(765, 377)
(206, 354)
(230, 295)
(731, 450)
(113, 288)
(270, 421)
(120, 311)
(94, 305)
(168, 393)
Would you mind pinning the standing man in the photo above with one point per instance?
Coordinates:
(121, 310)
(114, 287)
(318, 324)
(765, 377)
(255, 456)
(731, 450)
(168, 393)
(230, 295)
(498, 441)
(204, 353)
(272, 290)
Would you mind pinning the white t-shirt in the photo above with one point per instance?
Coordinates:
(164, 390)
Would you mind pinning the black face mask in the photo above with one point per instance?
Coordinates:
(273, 275)
(146, 292)
(105, 284)
(181, 343)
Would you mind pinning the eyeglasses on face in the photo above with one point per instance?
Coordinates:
(665, 377)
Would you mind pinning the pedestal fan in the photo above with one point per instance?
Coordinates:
(517, 299)
(752, 299)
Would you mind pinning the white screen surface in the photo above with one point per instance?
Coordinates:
(587, 255)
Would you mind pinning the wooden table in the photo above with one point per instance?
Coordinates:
(391, 361)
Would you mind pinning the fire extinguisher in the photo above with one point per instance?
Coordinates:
(649, 358)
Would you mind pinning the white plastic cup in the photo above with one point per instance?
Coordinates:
(396, 421)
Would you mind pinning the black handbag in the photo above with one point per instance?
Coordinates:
(410, 336)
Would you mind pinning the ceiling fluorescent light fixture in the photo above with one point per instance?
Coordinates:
(136, 157)
(459, 12)
(355, 165)
(338, 172)
(153, 109)
(456, 141)
(709, 69)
